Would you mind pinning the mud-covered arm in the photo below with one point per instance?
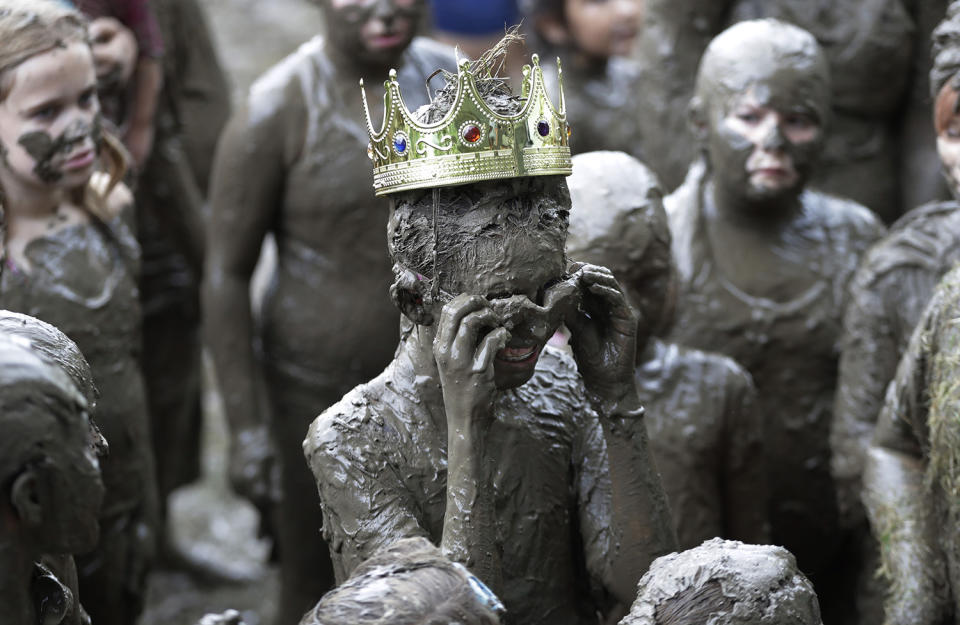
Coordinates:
(744, 474)
(246, 195)
(868, 361)
(637, 519)
(467, 340)
(898, 503)
(365, 503)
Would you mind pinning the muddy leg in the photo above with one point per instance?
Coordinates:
(306, 571)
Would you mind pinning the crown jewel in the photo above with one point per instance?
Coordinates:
(472, 142)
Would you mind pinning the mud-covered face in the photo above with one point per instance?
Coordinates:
(603, 28)
(520, 270)
(948, 135)
(374, 32)
(764, 143)
(50, 120)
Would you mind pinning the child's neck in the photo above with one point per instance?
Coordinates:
(28, 201)
(16, 571)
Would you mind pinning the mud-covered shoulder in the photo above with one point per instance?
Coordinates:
(926, 238)
(713, 368)
(352, 431)
(433, 53)
(841, 215)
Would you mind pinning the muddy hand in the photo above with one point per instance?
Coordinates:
(604, 335)
(468, 338)
(251, 464)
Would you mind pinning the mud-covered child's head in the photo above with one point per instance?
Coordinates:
(410, 582)
(760, 109)
(617, 221)
(50, 485)
(596, 29)
(945, 84)
(725, 582)
(372, 32)
(49, 112)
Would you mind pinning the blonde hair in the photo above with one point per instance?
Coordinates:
(32, 27)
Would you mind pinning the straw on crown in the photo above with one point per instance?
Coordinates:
(472, 142)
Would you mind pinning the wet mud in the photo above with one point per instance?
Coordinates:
(725, 583)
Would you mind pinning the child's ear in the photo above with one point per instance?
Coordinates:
(409, 293)
(25, 498)
(553, 29)
(697, 119)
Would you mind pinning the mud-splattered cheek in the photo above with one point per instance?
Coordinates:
(44, 149)
(949, 151)
(40, 146)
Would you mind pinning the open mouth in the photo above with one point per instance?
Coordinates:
(81, 160)
(518, 355)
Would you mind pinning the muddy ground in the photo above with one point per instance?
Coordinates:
(208, 521)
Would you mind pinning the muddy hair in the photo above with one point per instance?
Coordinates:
(725, 582)
(53, 347)
(432, 229)
(945, 52)
(36, 402)
(32, 27)
(408, 583)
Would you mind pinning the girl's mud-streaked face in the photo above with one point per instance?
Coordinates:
(50, 120)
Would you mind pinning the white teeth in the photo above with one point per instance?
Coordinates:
(518, 357)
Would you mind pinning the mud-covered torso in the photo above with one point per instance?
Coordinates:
(548, 460)
(327, 308)
(599, 106)
(695, 414)
(82, 279)
(789, 346)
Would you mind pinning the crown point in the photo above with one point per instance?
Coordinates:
(535, 59)
(465, 64)
(361, 82)
(393, 74)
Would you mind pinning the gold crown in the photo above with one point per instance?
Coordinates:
(471, 143)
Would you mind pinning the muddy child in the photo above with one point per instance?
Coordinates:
(72, 261)
(705, 434)
(52, 485)
(479, 436)
(292, 163)
(764, 263)
(879, 150)
(594, 40)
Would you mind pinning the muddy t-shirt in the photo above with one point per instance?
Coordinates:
(789, 346)
(82, 279)
(707, 440)
(381, 467)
